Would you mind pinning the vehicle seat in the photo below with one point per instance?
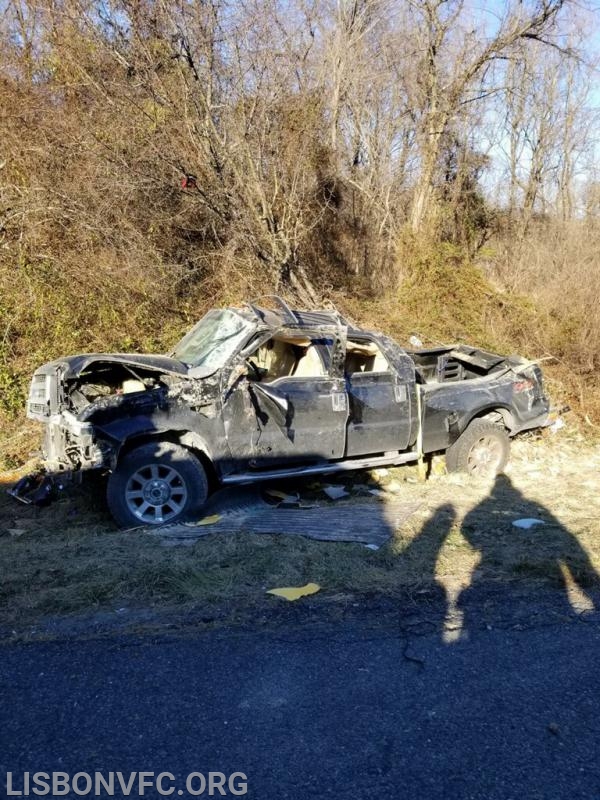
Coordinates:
(282, 360)
(310, 364)
(380, 363)
(355, 362)
(365, 362)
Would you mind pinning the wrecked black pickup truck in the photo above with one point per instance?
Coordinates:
(253, 393)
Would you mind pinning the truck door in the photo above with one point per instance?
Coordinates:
(380, 391)
(292, 404)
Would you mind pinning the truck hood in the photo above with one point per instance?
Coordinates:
(76, 365)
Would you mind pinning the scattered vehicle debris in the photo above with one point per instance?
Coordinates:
(254, 394)
(370, 522)
(335, 492)
(292, 593)
(282, 498)
(528, 523)
(381, 473)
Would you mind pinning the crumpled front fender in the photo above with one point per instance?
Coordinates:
(119, 430)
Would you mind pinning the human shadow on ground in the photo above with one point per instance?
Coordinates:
(545, 554)
(419, 562)
(499, 680)
(516, 566)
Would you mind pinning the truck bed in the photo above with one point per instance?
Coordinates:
(455, 363)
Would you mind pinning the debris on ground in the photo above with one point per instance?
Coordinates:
(380, 472)
(441, 535)
(295, 592)
(282, 497)
(210, 520)
(527, 523)
(335, 492)
(370, 522)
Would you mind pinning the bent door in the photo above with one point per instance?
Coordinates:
(379, 398)
(292, 405)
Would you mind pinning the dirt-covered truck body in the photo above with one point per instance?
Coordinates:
(254, 393)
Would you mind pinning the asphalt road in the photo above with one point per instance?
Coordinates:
(341, 712)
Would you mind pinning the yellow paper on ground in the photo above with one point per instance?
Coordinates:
(276, 493)
(206, 521)
(294, 592)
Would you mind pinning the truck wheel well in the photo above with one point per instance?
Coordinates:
(499, 416)
(175, 437)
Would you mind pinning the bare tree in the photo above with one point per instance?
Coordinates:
(548, 132)
(454, 63)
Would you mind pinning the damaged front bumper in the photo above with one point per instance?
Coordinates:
(40, 488)
(69, 448)
(70, 445)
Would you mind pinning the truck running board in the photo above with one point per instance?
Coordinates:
(321, 469)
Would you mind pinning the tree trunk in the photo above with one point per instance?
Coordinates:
(421, 210)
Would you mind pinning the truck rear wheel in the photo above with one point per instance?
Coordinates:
(156, 484)
(481, 450)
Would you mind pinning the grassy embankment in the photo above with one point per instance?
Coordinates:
(69, 558)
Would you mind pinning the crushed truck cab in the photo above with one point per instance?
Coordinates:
(255, 393)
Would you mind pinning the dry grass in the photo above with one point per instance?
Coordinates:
(70, 558)
(556, 268)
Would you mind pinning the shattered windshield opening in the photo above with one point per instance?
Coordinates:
(213, 340)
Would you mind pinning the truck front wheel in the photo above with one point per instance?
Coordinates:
(481, 450)
(156, 484)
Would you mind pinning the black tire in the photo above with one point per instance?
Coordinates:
(480, 440)
(158, 483)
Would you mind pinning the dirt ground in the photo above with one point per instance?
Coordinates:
(70, 559)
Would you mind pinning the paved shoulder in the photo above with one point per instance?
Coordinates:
(358, 713)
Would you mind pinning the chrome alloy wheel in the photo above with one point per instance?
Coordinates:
(485, 457)
(155, 494)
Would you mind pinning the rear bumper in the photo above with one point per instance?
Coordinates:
(541, 421)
